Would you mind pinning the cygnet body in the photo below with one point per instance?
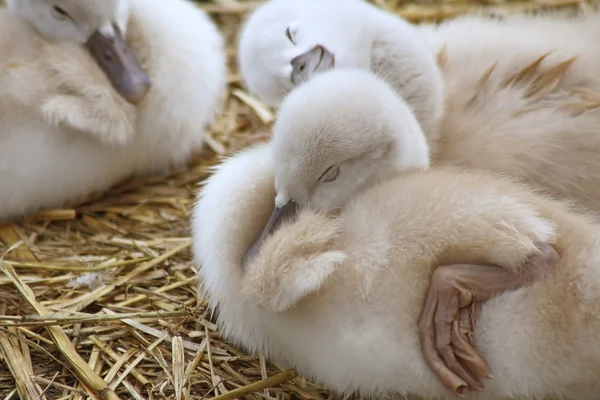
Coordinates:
(338, 297)
(523, 97)
(93, 93)
(519, 95)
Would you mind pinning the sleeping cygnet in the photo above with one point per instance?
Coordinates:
(371, 285)
(93, 92)
(284, 43)
(485, 97)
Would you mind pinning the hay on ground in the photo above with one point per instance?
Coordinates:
(99, 302)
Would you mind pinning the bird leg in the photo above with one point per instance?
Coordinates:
(451, 312)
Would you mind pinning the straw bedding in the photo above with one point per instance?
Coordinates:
(99, 302)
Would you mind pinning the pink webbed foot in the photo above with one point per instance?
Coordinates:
(451, 311)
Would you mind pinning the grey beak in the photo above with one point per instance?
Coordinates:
(278, 215)
(318, 59)
(120, 65)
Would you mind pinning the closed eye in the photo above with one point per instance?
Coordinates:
(60, 14)
(330, 174)
(288, 33)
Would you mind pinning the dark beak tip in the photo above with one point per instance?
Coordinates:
(123, 69)
(139, 91)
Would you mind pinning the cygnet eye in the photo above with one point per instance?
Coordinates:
(330, 174)
(288, 33)
(60, 14)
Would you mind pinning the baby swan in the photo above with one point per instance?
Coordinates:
(284, 43)
(339, 146)
(93, 92)
(486, 98)
(396, 140)
(338, 296)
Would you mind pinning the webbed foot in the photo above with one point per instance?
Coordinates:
(451, 311)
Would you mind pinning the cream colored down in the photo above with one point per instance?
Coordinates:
(517, 94)
(358, 331)
(66, 134)
(338, 298)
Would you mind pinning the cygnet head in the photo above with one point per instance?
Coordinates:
(99, 25)
(340, 132)
(335, 135)
(285, 43)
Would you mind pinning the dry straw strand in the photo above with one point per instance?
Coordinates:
(99, 301)
(82, 369)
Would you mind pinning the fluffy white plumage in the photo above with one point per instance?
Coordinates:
(339, 298)
(66, 133)
(359, 35)
(518, 95)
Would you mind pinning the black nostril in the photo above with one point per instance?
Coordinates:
(302, 67)
(108, 58)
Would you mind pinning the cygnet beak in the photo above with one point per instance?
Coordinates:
(119, 64)
(289, 210)
(305, 65)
